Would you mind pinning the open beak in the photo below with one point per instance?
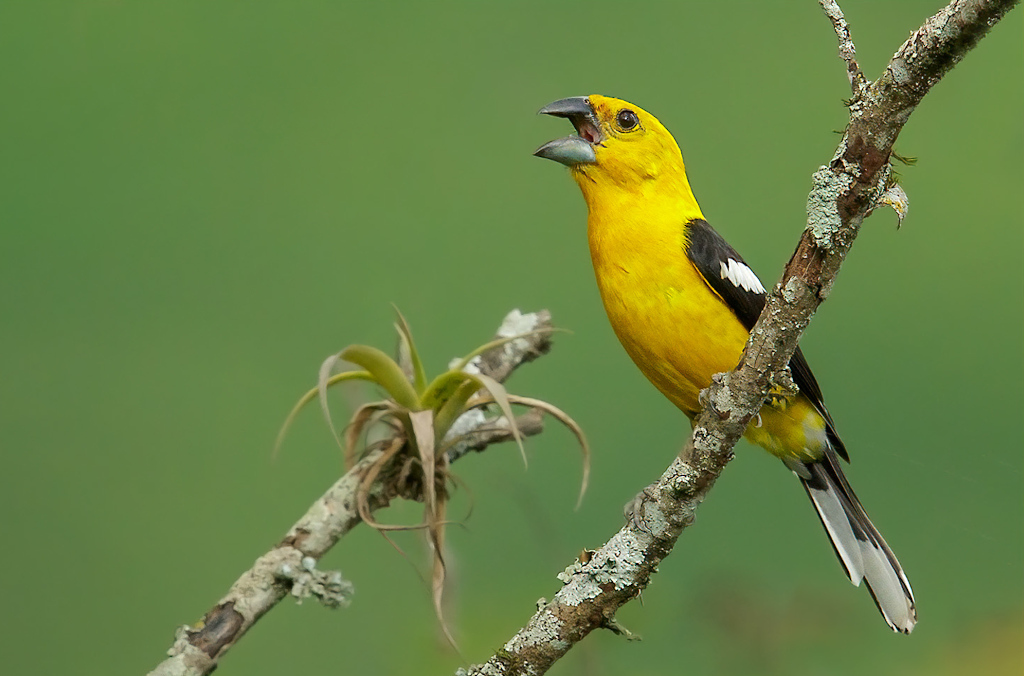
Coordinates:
(578, 149)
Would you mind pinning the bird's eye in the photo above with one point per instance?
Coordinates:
(627, 119)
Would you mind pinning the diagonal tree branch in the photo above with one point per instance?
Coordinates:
(847, 190)
(290, 566)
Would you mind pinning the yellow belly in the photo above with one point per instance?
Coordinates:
(680, 333)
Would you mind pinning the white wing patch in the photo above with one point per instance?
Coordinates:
(742, 276)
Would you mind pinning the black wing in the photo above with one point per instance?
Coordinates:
(731, 278)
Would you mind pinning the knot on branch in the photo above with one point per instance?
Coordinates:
(686, 482)
(718, 397)
(218, 628)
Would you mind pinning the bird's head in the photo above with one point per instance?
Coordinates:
(617, 144)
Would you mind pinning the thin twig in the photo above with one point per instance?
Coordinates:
(847, 50)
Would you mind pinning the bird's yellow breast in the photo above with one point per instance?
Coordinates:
(673, 327)
(676, 329)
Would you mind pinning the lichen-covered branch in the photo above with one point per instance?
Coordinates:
(848, 189)
(290, 566)
(611, 576)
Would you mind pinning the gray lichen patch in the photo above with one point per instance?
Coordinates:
(683, 480)
(515, 324)
(467, 422)
(792, 291)
(616, 566)
(653, 518)
(328, 586)
(579, 587)
(544, 629)
(823, 221)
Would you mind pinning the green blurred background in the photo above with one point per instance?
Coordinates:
(200, 201)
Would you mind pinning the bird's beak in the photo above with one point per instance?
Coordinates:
(578, 149)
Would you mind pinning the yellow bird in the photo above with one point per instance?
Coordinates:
(682, 302)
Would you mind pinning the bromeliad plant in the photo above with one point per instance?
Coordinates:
(420, 415)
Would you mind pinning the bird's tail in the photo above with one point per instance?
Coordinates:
(857, 543)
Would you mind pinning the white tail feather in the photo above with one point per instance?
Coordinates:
(833, 517)
(857, 543)
(890, 589)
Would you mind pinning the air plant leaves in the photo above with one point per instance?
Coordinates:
(365, 416)
(385, 371)
(422, 423)
(421, 413)
(438, 575)
(443, 388)
(454, 405)
(321, 387)
(312, 394)
(501, 397)
(434, 507)
(449, 393)
(408, 347)
(564, 418)
(390, 450)
(559, 415)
